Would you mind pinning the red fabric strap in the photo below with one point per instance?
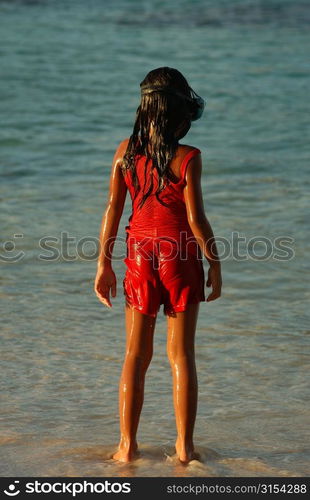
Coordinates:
(186, 160)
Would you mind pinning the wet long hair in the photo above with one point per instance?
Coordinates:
(169, 115)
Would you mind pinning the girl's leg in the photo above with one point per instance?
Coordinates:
(181, 354)
(139, 349)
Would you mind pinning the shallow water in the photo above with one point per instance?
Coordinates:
(69, 88)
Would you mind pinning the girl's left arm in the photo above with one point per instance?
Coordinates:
(105, 278)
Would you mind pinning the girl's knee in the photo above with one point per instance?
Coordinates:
(140, 358)
(177, 356)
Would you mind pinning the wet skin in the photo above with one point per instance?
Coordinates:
(140, 327)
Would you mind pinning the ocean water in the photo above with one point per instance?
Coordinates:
(70, 74)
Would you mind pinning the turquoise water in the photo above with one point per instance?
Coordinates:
(69, 90)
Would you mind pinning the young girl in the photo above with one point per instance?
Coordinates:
(166, 236)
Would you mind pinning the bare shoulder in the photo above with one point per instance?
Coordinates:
(194, 167)
(120, 151)
(185, 148)
(123, 146)
(124, 143)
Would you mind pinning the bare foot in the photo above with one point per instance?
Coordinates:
(186, 453)
(125, 454)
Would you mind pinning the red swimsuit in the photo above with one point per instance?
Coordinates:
(164, 260)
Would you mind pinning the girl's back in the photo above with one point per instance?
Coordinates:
(169, 218)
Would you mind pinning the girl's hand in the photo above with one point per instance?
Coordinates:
(214, 281)
(105, 280)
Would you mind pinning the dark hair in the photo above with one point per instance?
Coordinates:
(170, 116)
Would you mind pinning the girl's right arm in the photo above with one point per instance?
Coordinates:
(200, 225)
(105, 280)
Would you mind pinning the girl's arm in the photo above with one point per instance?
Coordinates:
(200, 225)
(105, 278)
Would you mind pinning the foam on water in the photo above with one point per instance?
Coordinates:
(60, 457)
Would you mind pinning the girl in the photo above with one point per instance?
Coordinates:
(166, 236)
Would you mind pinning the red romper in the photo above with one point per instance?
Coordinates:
(164, 260)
